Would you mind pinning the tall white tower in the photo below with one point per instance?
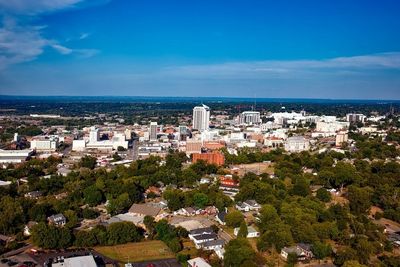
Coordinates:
(153, 131)
(94, 135)
(201, 118)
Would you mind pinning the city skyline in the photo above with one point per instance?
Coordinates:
(312, 49)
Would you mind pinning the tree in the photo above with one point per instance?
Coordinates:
(323, 195)
(238, 252)
(11, 216)
(50, 236)
(321, 250)
(301, 187)
(149, 223)
(360, 199)
(200, 200)
(85, 239)
(123, 232)
(234, 218)
(92, 195)
(88, 162)
(119, 204)
(292, 259)
(277, 236)
(243, 231)
(72, 218)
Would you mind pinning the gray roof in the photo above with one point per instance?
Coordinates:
(205, 236)
(218, 242)
(200, 231)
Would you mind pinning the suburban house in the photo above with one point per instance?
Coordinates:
(200, 231)
(303, 252)
(57, 219)
(251, 232)
(199, 239)
(213, 244)
(248, 205)
(188, 211)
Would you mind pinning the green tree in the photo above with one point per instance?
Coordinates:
(321, 250)
(234, 218)
(11, 217)
(301, 187)
(323, 195)
(200, 200)
(123, 232)
(238, 252)
(92, 195)
(277, 236)
(360, 199)
(243, 231)
(85, 239)
(88, 162)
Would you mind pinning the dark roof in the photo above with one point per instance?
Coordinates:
(200, 231)
(304, 246)
(205, 236)
(251, 202)
(218, 242)
(221, 215)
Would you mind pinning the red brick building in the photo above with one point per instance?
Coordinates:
(216, 158)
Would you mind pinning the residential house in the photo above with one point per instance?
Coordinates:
(248, 205)
(303, 252)
(200, 239)
(188, 211)
(57, 219)
(251, 232)
(213, 244)
(200, 231)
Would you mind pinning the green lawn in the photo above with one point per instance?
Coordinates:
(142, 251)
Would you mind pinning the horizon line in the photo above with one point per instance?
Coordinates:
(208, 97)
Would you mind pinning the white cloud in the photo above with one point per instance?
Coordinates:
(84, 36)
(34, 7)
(20, 41)
(283, 68)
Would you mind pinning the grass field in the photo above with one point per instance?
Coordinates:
(133, 252)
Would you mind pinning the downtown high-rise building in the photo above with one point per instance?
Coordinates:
(249, 117)
(201, 118)
(153, 131)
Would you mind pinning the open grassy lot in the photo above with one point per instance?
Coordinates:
(142, 251)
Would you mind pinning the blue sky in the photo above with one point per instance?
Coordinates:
(237, 48)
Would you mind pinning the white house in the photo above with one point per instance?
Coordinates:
(251, 232)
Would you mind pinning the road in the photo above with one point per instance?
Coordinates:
(224, 235)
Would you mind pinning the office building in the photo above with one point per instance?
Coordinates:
(153, 131)
(297, 144)
(201, 118)
(249, 117)
(353, 117)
